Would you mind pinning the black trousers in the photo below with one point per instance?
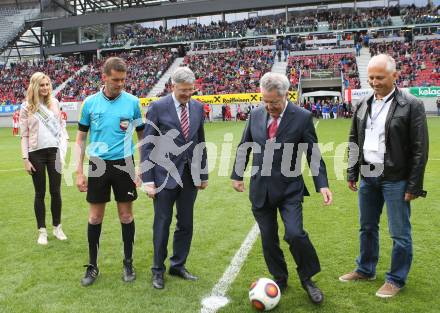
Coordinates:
(184, 199)
(300, 245)
(42, 160)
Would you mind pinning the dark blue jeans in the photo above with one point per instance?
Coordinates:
(373, 193)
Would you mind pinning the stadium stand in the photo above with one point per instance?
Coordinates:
(144, 36)
(363, 19)
(15, 79)
(423, 15)
(338, 63)
(116, 41)
(238, 70)
(145, 69)
(269, 25)
(230, 72)
(264, 25)
(418, 62)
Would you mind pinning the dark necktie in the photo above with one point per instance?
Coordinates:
(184, 121)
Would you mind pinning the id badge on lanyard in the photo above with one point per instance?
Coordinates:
(371, 142)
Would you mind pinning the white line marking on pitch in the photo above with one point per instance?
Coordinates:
(217, 299)
(13, 169)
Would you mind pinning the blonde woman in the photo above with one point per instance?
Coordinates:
(41, 133)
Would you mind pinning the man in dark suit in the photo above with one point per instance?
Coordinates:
(172, 166)
(278, 133)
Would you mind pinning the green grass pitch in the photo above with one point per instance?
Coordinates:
(47, 279)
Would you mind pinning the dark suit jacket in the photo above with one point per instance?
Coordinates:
(296, 127)
(162, 114)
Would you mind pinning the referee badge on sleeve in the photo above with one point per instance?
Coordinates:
(124, 123)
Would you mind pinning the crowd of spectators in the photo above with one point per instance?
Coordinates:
(145, 68)
(118, 40)
(263, 25)
(337, 19)
(236, 71)
(420, 15)
(418, 62)
(14, 79)
(268, 25)
(230, 72)
(84, 84)
(302, 23)
(328, 108)
(350, 72)
(233, 44)
(324, 65)
(143, 36)
(360, 19)
(289, 42)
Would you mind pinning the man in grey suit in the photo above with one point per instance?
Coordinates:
(173, 159)
(278, 133)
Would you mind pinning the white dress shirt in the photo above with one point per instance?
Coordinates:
(376, 124)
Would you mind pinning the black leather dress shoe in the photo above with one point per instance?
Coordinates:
(182, 273)
(158, 281)
(282, 284)
(315, 294)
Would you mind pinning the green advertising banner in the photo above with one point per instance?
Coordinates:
(425, 91)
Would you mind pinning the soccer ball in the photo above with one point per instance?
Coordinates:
(264, 294)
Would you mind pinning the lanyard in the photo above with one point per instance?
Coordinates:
(377, 112)
(374, 116)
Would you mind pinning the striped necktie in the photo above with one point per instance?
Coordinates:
(184, 121)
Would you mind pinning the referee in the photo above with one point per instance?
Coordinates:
(111, 116)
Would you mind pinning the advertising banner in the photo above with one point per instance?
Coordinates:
(227, 98)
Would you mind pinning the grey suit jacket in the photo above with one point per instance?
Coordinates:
(280, 179)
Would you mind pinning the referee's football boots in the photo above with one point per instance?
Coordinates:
(128, 275)
(89, 278)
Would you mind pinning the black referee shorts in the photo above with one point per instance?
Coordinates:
(105, 175)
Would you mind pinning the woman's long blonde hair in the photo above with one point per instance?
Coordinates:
(33, 92)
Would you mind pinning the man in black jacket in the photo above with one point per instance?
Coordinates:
(389, 149)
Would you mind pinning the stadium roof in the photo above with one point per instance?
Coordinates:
(86, 6)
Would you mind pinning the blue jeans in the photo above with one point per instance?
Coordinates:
(373, 193)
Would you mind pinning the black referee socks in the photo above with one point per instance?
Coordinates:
(93, 234)
(128, 231)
